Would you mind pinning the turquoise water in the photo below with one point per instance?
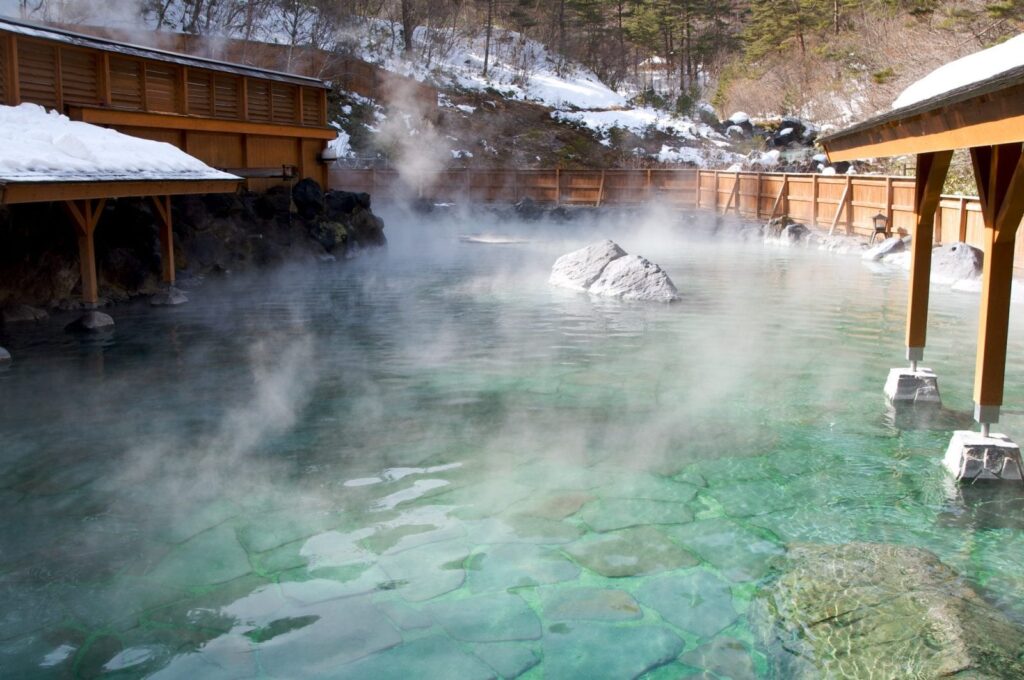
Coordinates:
(428, 463)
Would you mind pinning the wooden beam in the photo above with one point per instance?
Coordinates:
(779, 197)
(841, 206)
(962, 232)
(166, 226)
(931, 175)
(600, 190)
(732, 194)
(14, 84)
(41, 192)
(999, 171)
(171, 121)
(85, 216)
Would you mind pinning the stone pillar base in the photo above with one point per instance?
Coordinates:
(912, 387)
(90, 322)
(168, 298)
(972, 457)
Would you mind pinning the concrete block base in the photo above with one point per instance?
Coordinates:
(912, 387)
(972, 457)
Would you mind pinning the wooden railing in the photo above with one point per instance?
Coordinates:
(840, 204)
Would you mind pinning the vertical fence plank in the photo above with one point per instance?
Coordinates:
(963, 219)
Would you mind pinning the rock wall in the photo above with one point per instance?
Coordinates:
(213, 234)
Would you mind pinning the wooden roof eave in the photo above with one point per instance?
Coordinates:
(978, 115)
(46, 191)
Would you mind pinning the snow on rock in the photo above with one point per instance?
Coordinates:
(339, 147)
(637, 121)
(632, 277)
(962, 72)
(889, 246)
(739, 118)
(603, 268)
(956, 261)
(828, 170)
(41, 146)
(579, 269)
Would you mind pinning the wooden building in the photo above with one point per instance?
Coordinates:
(251, 122)
(986, 117)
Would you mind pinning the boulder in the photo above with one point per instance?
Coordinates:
(168, 298)
(889, 246)
(340, 204)
(329, 234)
(879, 610)
(90, 322)
(632, 277)
(308, 198)
(527, 209)
(367, 229)
(23, 313)
(794, 233)
(5, 356)
(956, 261)
(580, 268)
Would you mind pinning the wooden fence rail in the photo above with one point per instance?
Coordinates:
(842, 204)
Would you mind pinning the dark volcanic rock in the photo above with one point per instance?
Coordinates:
(878, 610)
(23, 313)
(308, 198)
(527, 209)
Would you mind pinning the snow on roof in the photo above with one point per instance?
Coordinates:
(962, 72)
(37, 145)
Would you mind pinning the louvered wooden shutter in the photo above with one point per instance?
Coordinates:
(80, 80)
(259, 101)
(162, 88)
(227, 97)
(285, 109)
(126, 83)
(199, 94)
(311, 107)
(37, 71)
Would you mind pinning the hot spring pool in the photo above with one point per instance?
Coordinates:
(427, 463)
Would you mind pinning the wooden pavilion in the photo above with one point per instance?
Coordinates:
(986, 117)
(252, 122)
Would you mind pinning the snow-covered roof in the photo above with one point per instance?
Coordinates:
(33, 30)
(979, 101)
(970, 69)
(37, 145)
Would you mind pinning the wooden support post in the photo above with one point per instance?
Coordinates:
(697, 201)
(648, 187)
(558, 186)
(757, 201)
(841, 206)
(85, 215)
(714, 204)
(13, 74)
(814, 200)
(888, 202)
(962, 233)
(778, 198)
(999, 172)
(735, 193)
(931, 174)
(163, 210)
(785, 195)
(600, 190)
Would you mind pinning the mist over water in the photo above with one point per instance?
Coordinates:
(428, 462)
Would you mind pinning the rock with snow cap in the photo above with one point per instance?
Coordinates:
(579, 269)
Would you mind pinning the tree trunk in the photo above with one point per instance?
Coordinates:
(408, 26)
(487, 39)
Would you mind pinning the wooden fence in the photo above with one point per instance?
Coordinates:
(842, 204)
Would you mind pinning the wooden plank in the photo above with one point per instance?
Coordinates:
(839, 210)
(931, 174)
(85, 216)
(41, 192)
(166, 227)
(600, 190)
(100, 116)
(14, 89)
(779, 197)
(963, 220)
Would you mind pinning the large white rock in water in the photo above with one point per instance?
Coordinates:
(955, 262)
(580, 268)
(632, 277)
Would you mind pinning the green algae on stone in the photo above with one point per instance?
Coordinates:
(492, 617)
(212, 557)
(619, 513)
(597, 651)
(880, 610)
(630, 552)
(499, 567)
(737, 552)
(588, 604)
(435, 656)
(696, 601)
(508, 659)
(723, 656)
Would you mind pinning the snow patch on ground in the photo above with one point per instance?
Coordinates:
(44, 146)
(962, 72)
